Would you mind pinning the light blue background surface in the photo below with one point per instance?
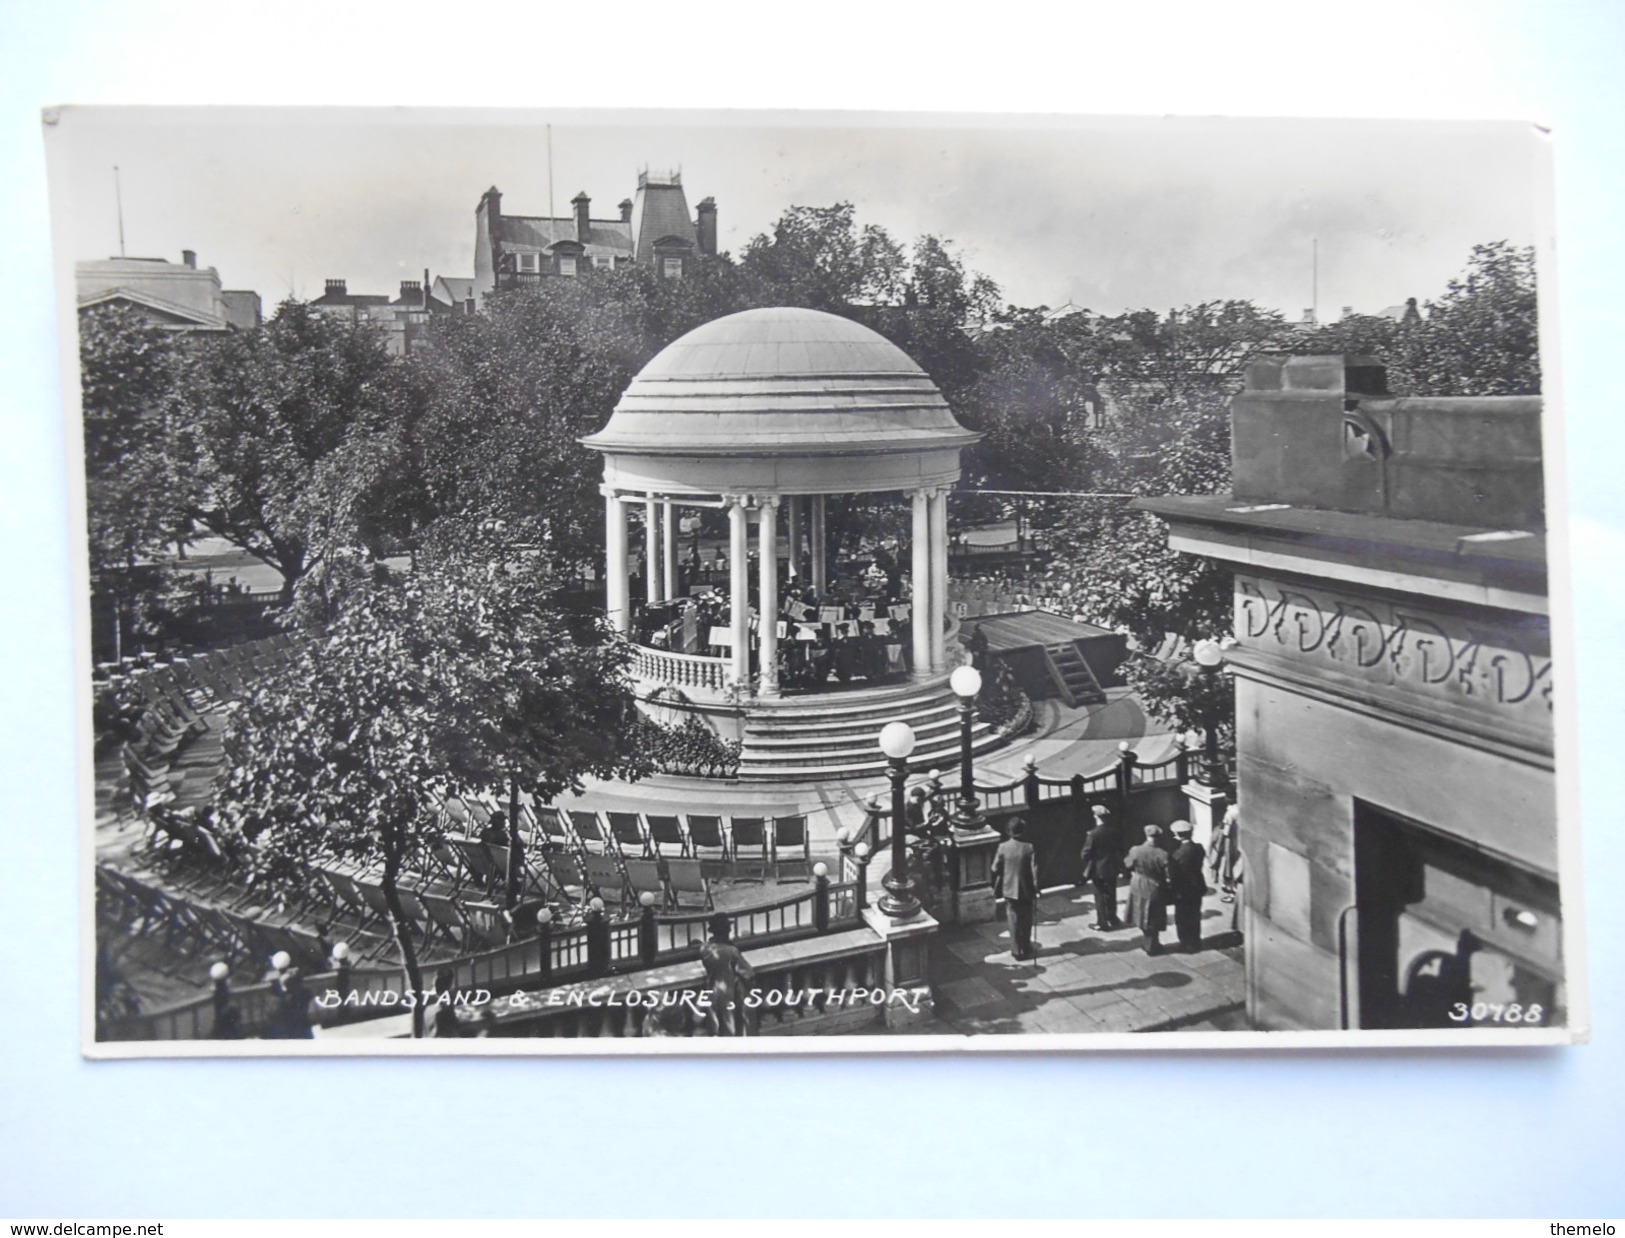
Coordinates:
(1353, 1133)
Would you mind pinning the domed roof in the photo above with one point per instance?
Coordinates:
(780, 381)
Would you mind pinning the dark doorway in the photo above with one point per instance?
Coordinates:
(1451, 935)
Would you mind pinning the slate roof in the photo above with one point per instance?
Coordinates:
(535, 233)
(660, 211)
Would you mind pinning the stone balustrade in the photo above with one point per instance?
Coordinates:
(680, 670)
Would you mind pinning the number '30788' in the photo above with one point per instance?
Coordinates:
(1496, 1012)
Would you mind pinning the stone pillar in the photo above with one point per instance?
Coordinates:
(668, 529)
(973, 901)
(908, 967)
(768, 539)
(651, 551)
(792, 522)
(920, 581)
(939, 578)
(1205, 811)
(819, 567)
(617, 602)
(738, 585)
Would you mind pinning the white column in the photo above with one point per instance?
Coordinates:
(818, 569)
(668, 529)
(920, 582)
(792, 522)
(651, 551)
(617, 603)
(769, 589)
(939, 578)
(738, 585)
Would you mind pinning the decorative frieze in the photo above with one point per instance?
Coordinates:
(1503, 667)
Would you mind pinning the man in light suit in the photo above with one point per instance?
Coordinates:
(1015, 879)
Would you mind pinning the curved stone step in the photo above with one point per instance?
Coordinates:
(865, 766)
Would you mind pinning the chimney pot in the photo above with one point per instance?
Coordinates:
(189, 257)
(706, 226)
(626, 210)
(582, 203)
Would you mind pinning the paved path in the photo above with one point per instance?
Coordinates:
(1084, 980)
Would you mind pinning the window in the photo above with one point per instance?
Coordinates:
(529, 264)
(567, 264)
(671, 268)
(604, 262)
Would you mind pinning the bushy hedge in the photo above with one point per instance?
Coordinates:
(689, 748)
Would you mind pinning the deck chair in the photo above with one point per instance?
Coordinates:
(591, 832)
(448, 918)
(792, 849)
(666, 835)
(603, 874)
(708, 843)
(551, 833)
(751, 848)
(687, 877)
(627, 829)
(644, 875)
(477, 857)
(487, 923)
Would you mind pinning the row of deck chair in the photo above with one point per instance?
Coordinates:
(740, 847)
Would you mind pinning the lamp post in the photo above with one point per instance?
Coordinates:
(966, 682)
(1209, 658)
(899, 901)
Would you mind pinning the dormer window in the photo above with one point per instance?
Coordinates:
(567, 264)
(671, 268)
(529, 264)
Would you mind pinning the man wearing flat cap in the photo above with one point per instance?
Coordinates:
(1188, 884)
(1102, 861)
(1015, 879)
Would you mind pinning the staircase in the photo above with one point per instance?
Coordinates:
(1073, 678)
(835, 736)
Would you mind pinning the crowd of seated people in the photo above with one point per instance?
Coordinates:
(858, 629)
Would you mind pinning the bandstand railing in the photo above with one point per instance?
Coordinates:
(682, 670)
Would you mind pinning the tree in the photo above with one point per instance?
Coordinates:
(536, 696)
(1168, 380)
(508, 394)
(468, 673)
(331, 758)
(129, 373)
(817, 257)
(1482, 337)
(290, 430)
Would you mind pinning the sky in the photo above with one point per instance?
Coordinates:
(1110, 214)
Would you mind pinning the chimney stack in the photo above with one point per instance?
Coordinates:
(411, 290)
(707, 226)
(583, 225)
(189, 257)
(626, 210)
(1348, 311)
(336, 288)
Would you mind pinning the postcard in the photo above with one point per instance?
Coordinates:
(595, 582)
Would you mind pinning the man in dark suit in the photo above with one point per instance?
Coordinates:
(1188, 885)
(1102, 865)
(1015, 879)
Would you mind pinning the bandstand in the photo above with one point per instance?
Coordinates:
(766, 415)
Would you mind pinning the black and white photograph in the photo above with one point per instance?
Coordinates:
(590, 582)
